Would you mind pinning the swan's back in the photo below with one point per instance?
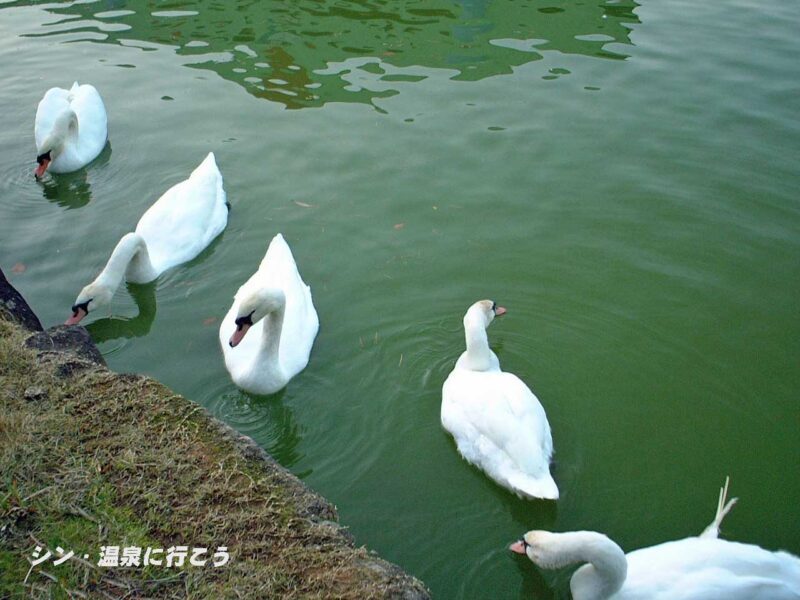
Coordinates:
(499, 425)
(187, 218)
(710, 569)
(300, 320)
(88, 106)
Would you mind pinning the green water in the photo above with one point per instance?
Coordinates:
(622, 177)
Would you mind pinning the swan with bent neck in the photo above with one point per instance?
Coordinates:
(174, 230)
(497, 422)
(71, 129)
(267, 334)
(695, 568)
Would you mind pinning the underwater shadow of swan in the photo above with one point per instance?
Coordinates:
(144, 295)
(111, 328)
(266, 419)
(533, 585)
(72, 190)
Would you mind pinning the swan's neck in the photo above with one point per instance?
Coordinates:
(603, 576)
(269, 357)
(129, 260)
(478, 356)
(65, 128)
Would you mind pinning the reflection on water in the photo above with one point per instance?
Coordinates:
(284, 51)
(264, 418)
(71, 190)
(111, 328)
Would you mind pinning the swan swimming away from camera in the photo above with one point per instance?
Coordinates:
(497, 422)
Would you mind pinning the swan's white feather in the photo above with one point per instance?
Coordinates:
(710, 569)
(701, 567)
(278, 269)
(88, 106)
(186, 218)
(497, 422)
(500, 426)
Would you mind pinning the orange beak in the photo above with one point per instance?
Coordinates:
(42, 168)
(499, 311)
(238, 335)
(517, 547)
(76, 317)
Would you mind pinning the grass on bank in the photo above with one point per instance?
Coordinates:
(100, 459)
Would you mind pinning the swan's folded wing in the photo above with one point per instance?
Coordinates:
(92, 119)
(186, 219)
(279, 269)
(279, 261)
(54, 102)
(708, 569)
(526, 407)
(497, 418)
(301, 323)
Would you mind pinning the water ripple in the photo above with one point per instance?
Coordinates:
(475, 39)
(265, 419)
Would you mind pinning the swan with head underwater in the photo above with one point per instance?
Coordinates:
(174, 230)
(71, 129)
(694, 568)
(267, 334)
(498, 423)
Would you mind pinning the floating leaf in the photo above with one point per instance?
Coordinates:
(399, 225)
(209, 321)
(18, 268)
(303, 204)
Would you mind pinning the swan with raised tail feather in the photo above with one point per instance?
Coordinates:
(695, 568)
(498, 423)
(174, 230)
(267, 334)
(71, 128)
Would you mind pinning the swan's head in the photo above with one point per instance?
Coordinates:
(483, 312)
(254, 307)
(537, 545)
(43, 160)
(64, 126)
(601, 579)
(91, 297)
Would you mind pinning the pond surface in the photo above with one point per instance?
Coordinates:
(622, 176)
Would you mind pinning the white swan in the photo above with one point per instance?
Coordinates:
(694, 568)
(497, 422)
(276, 306)
(70, 130)
(175, 229)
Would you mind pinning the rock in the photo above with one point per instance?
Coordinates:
(14, 306)
(35, 393)
(73, 339)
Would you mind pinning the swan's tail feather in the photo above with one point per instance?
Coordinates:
(528, 487)
(723, 508)
(208, 167)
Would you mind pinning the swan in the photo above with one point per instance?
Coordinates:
(71, 128)
(175, 229)
(695, 568)
(497, 422)
(276, 305)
